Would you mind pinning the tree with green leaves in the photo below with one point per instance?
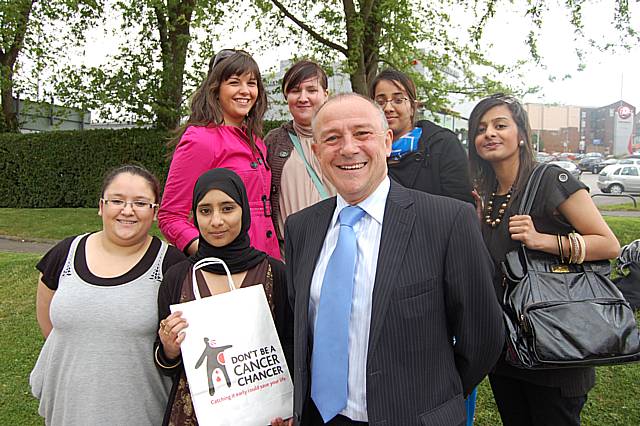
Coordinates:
(26, 29)
(365, 34)
(368, 33)
(165, 45)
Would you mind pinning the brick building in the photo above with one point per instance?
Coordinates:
(564, 128)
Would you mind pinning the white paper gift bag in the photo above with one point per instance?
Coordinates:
(233, 358)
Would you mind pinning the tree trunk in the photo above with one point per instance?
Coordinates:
(8, 61)
(9, 116)
(173, 27)
(359, 83)
(363, 33)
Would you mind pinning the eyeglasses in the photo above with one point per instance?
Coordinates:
(395, 100)
(137, 205)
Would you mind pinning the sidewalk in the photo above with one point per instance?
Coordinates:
(621, 214)
(20, 245)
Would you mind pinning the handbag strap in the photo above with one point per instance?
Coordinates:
(312, 173)
(206, 262)
(531, 189)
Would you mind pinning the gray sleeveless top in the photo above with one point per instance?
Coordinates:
(96, 367)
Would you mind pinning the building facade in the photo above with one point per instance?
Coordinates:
(610, 129)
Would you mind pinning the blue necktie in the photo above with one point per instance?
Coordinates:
(330, 357)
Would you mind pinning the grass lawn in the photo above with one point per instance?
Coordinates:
(612, 402)
(20, 340)
(54, 224)
(57, 224)
(626, 229)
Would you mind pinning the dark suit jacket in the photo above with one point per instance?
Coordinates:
(433, 282)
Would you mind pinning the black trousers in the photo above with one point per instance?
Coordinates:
(312, 417)
(523, 403)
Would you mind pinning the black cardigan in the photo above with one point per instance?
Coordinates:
(439, 166)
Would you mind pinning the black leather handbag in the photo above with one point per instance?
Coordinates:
(563, 315)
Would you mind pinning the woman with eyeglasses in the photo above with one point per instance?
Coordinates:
(223, 130)
(96, 305)
(563, 221)
(424, 156)
(297, 180)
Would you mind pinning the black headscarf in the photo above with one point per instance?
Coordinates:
(238, 254)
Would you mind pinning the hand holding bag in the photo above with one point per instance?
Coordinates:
(232, 356)
(563, 315)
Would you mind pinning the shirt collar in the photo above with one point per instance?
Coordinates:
(373, 205)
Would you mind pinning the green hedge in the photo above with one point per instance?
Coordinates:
(65, 169)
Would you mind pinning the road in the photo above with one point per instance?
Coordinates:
(590, 180)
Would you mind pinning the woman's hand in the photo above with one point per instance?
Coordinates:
(479, 206)
(171, 334)
(521, 229)
(279, 422)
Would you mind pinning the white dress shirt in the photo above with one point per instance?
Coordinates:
(368, 231)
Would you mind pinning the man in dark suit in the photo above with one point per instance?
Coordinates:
(422, 325)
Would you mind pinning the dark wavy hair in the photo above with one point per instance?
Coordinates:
(402, 81)
(301, 71)
(205, 105)
(481, 170)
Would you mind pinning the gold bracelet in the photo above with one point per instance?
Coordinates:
(583, 248)
(572, 247)
(560, 247)
(161, 364)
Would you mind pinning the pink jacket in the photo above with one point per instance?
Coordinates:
(205, 148)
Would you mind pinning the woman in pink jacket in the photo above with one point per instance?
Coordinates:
(223, 130)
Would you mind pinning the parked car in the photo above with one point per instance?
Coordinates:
(620, 178)
(591, 162)
(635, 161)
(568, 166)
(543, 157)
(567, 156)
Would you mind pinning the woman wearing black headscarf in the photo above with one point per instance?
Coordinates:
(222, 216)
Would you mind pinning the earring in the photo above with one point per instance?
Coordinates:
(521, 143)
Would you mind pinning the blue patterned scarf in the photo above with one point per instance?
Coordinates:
(406, 144)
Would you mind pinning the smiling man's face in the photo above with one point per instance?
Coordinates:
(352, 146)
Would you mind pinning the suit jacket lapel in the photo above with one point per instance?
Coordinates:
(396, 230)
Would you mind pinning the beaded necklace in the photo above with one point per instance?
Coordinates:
(501, 210)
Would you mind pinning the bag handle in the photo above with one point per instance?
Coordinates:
(531, 189)
(206, 262)
(312, 173)
(529, 195)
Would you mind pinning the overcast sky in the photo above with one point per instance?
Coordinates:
(605, 77)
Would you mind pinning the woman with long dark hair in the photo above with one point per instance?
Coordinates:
(502, 159)
(223, 130)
